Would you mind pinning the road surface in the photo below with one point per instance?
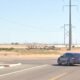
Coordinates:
(40, 69)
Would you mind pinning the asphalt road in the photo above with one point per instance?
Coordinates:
(45, 69)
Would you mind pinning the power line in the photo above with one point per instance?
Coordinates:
(70, 24)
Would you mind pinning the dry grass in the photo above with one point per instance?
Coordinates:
(29, 52)
(23, 51)
(33, 53)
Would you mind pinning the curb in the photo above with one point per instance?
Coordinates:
(13, 65)
(9, 65)
(1, 67)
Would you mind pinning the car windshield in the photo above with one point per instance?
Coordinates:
(77, 55)
(68, 55)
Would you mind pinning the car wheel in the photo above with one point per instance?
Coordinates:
(68, 63)
(59, 62)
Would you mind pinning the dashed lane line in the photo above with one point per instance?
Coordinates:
(58, 77)
(32, 68)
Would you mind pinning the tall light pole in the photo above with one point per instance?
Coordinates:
(70, 26)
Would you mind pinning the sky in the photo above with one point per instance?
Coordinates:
(40, 21)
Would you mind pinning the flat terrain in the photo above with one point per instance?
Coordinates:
(39, 69)
(22, 53)
(36, 65)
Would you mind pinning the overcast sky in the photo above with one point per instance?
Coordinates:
(37, 21)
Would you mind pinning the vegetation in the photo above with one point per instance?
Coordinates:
(36, 51)
(6, 49)
(24, 51)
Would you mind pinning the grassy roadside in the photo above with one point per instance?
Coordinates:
(7, 54)
(24, 51)
(28, 52)
(35, 51)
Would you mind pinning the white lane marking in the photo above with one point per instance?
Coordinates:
(1, 67)
(9, 65)
(37, 67)
(58, 77)
(13, 65)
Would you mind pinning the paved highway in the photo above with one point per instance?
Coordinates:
(45, 69)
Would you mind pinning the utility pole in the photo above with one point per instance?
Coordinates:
(66, 32)
(70, 26)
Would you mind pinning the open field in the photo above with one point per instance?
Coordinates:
(20, 51)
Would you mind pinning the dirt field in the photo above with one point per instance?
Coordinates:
(28, 55)
(18, 51)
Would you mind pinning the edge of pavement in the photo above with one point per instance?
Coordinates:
(9, 65)
(32, 56)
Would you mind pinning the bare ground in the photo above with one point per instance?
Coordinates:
(31, 55)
